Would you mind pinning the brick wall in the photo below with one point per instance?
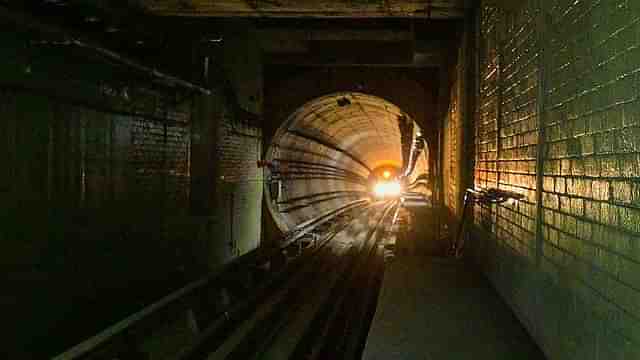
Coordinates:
(84, 196)
(239, 181)
(558, 93)
(239, 186)
(98, 216)
(456, 137)
(452, 141)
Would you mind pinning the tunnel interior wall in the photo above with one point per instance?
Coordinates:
(457, 114)
(239, 181)
(452, 139)
(83, 192)
(559, 94)
(287, 88)
(100, 212)
(410, 90)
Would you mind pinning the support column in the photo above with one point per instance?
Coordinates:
(499, 30)
(442, 108)
(468, 116)
(468, 110)
(541, 24)
(203, 155)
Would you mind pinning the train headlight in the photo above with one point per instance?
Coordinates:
(385, 189)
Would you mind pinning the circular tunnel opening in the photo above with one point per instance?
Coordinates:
(335, 150)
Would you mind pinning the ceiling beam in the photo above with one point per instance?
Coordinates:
(65, 38)
(433, 9)
(419, 61)
(510, 5)
(294, 40)
(435, 15)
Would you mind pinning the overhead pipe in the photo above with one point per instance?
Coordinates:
(319, 173)
(311, 168)
(318, 177)
(113, 56)
(28, 21)
(320, 165)
(329, 145)
(326, 193)
(318, 201)
(300, 150)
(316, 171)
(277, 172)
(307, 171)
(93, 105)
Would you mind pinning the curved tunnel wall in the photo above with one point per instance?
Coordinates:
(326, 150)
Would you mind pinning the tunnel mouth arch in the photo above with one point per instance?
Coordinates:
(324, 153)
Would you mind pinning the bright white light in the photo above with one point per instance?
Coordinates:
(387, 189)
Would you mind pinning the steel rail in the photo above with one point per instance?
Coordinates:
(338, 330)
(308, 226)
(177, 299)
(259, 337)
(122, 327)
(262, 334)
(216, 334)
(367, 307)
(215, 329)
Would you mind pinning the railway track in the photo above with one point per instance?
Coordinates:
(318, 308)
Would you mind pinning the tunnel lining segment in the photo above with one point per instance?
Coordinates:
(347, 134)
(329, 145)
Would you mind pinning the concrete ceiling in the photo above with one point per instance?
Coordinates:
(435, 9)
(348, 47)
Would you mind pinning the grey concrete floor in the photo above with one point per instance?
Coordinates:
(431, 308)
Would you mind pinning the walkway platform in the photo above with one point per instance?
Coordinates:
(441, 309)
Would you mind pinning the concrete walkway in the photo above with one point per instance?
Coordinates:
(440, 309)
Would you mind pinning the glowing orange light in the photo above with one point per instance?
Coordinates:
(387, 189)
(386, 174)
